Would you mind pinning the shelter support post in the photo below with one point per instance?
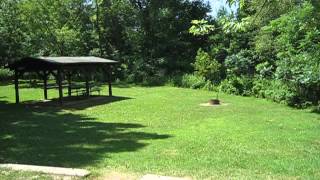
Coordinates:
(59, 79)
(45, 85)
(87, 85)
(16, 85)
(109, 69)
(69, 84)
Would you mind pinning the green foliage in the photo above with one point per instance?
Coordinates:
(69, 40)
(189, 81)
(209, 86)
(200, 27)
(277, 42)
(237, 85)
(265, 70)
(193, 81)
(6, 75)
(138, 33)
(296, 37)
(316, 109)
(207, 67)
(242, 3)
(242, 63)
(274, 90)
(163, 33)
(277, 91)
(228, 86)
(11, 32)
(230, 25)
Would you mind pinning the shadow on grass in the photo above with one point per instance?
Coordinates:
(76, 102)
(47, 136)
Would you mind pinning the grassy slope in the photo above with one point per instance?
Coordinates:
(163, 130)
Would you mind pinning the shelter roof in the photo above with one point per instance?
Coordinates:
(32, 63)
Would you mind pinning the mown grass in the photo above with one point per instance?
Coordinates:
(7, 174)
(163, 130)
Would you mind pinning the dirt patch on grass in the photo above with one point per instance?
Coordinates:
(213, 105)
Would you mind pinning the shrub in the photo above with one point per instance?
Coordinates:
(259, 87)
(227, 87)
(237, 85)
(209, 86)
(157, 78)
(242, 63)
(192, 81)
(174, 81)
(277, 91)
(316, 109)
(6, 74)
(265, 70)
(280, 92)
(302, 74)
(154, 80)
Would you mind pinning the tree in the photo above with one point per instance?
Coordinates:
(207, 67)
(11, 32)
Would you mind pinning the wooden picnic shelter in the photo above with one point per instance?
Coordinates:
(62, 68)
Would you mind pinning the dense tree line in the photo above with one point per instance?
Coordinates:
(148, 36)
(268, 48)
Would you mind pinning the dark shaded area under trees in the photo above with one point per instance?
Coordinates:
(149, 37)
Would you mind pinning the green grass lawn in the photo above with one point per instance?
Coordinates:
(7, 174)
(163, 130)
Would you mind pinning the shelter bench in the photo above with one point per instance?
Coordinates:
(96, 89)
(55, 86)
(81, 90)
